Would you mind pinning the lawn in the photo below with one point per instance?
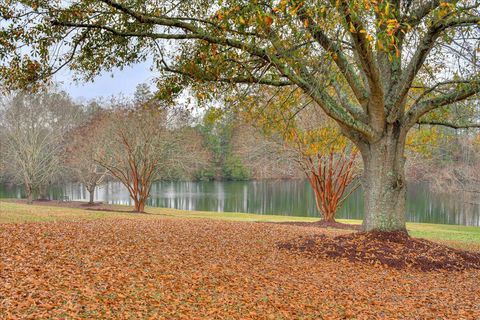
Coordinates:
(454, 235)
(171, 264)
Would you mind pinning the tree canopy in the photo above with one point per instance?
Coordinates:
(379, 50)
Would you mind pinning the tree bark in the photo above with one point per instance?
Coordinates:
(329, 218)
(29, 192)
(139, 205)
(91, 192)
(139, 195)
(384, 181)
(326, 216)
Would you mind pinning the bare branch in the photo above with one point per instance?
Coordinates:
(426, 44)
(455, 95)
(448, 124)
(239, 79)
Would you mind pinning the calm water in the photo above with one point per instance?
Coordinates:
(285, 197)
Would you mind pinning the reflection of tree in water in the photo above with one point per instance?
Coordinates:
(441, 207)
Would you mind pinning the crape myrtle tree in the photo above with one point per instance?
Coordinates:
(142, 142)
(136, 146)
(376, 67)
(312, 141)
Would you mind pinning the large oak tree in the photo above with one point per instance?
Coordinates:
(376, 67)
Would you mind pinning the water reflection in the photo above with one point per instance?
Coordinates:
(286, 197)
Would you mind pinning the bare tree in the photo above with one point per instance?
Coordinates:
(331, 172)
(144, 144)
(262, 156)
(328, 160)
(34, 126)
(83, 148)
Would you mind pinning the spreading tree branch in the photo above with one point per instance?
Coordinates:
(338, 57)
(448, 124)
(427, 105)
(423, 10)
(424, 48)
(239, 79)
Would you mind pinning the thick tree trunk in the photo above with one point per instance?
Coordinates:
(384, 182)
(91, 192)
(29, 193)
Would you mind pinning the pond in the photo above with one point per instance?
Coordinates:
(282, 197)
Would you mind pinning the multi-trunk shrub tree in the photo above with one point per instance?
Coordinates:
(143, 144)
(312, 141)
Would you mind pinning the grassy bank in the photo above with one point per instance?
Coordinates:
(459, 236)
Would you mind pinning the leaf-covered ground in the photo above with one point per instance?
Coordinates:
(394, 249)
(170, 268)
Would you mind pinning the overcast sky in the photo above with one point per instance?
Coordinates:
(122, 82)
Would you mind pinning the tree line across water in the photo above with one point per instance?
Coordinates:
(47, 139)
